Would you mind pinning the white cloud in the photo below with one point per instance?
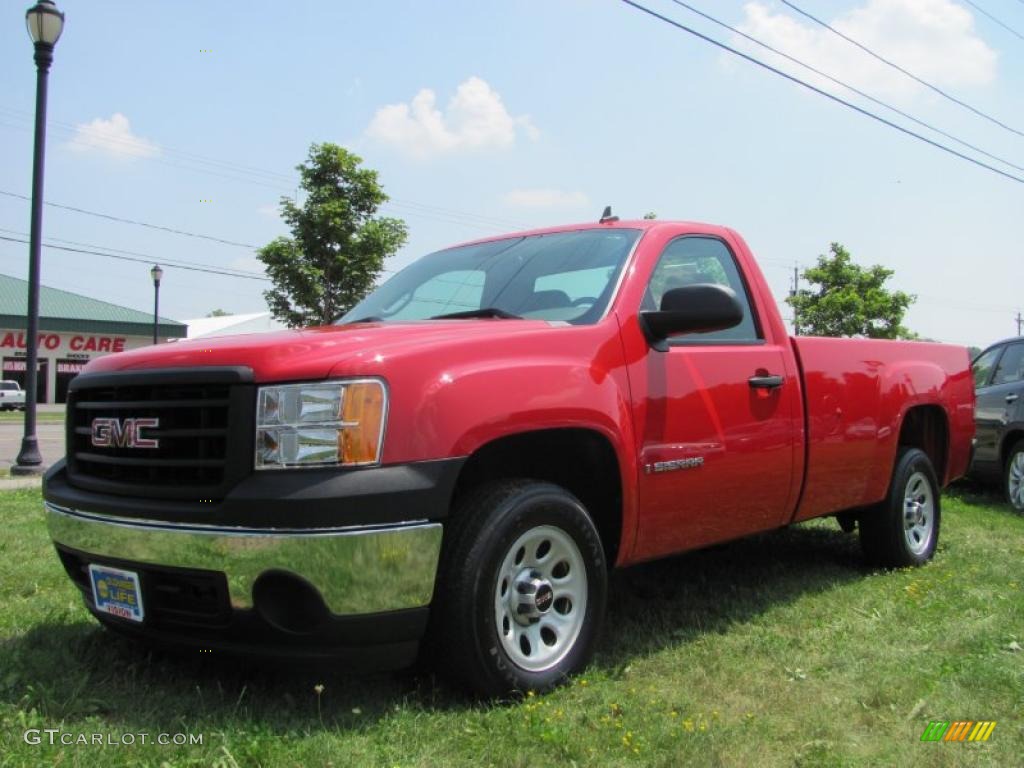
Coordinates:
(270, 210)
(546, 198)
(934, 39)
(113, 137)
(476, 118)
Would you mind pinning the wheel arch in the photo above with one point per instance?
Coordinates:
(1009, 440)
(579, 459)
(927, 427)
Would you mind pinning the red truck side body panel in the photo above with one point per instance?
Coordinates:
(822, 442)
(857, 393)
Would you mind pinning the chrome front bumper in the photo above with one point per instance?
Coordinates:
(356, 570)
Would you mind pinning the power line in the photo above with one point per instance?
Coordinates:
(1007, 27)
(173, 261)
(451, 212)
(227, 272)
(820, 92)
(147, 260)
(282, 182)
(849, 87)
(898, 68)
(132, 143)
(393, 208)
(132, 221)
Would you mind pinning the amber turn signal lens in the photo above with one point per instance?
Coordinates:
(362, 412)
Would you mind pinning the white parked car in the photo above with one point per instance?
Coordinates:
(12, 396)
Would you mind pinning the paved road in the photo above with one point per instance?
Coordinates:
(50, 436)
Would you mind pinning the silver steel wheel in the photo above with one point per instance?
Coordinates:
(918, 513)
(540, 598)
(1015, 480)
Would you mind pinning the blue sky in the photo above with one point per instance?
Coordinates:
(487, 117)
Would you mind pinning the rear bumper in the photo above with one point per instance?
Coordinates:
(358, 591)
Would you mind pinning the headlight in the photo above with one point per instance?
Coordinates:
(318, 424)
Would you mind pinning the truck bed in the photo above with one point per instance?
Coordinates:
(856, 393)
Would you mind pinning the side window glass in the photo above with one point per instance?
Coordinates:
(1011, 365)
(693, 260)
(982, 366)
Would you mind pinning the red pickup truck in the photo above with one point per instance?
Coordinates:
(460, 459)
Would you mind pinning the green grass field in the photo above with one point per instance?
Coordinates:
(18, 417)
(781, 650)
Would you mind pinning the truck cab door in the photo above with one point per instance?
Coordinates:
(720, 425)
(999, 401)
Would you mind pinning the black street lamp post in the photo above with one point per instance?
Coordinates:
(45, 24)
(156, 273)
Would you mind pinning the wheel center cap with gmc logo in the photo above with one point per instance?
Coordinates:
(543, 597)
(531, 596)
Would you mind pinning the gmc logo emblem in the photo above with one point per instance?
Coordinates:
(123, 433)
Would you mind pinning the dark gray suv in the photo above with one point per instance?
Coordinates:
(999, 415)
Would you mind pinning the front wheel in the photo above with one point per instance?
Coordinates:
(903, 529)
(1013, 477)
(521, 589)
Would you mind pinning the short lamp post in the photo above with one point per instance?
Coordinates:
(157, 274)
(45, 24)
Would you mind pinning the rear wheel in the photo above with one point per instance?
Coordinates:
(903, 529)
(521, 589)
(1013, 477)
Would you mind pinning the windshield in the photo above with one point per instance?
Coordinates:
(567, 276)
(9, 386)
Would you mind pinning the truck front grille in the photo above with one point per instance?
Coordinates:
(201, 427)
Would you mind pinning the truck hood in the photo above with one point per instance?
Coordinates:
(314, 353)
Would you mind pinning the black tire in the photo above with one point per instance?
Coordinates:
(886, 536)
(466, 635)
(1013, 477)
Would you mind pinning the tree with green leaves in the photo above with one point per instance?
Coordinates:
(847, 299)
(338, 243)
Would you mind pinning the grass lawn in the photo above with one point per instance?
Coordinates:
(18, 417)
(782, 650)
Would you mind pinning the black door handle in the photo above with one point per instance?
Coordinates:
(1011, 398)
(766, 382)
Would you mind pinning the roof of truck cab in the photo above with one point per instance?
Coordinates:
(641, 224)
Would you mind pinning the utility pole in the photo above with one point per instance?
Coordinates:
(1019, 322)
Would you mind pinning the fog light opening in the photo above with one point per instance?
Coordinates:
(288, 602)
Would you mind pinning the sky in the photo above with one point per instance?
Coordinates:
(484, 118)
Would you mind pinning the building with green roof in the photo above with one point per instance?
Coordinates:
(73, 329)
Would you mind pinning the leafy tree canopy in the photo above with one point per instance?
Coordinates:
(846, 299)
(338, 244)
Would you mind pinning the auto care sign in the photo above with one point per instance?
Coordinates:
(71, 343)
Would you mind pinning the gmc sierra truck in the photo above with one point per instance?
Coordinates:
(457, 462)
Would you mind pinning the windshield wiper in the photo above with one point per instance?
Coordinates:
(482, 312)
(368, 319)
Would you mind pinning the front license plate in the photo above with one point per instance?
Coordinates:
(116, 592)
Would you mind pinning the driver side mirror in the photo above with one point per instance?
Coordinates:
(691, 309)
